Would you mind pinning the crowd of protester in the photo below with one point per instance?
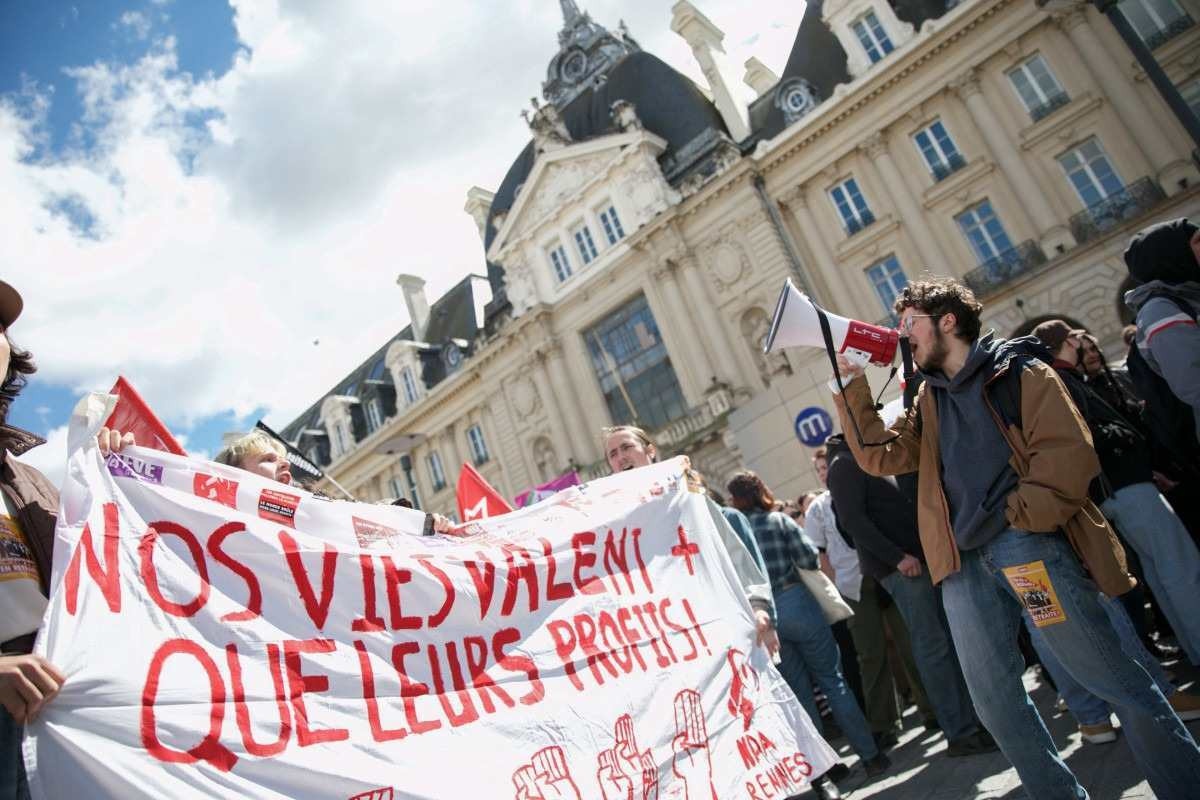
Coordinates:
(1036, 504)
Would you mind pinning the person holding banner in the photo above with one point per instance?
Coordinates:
(628, 447)
(1008, 531)
(807, 646)
(27, 681)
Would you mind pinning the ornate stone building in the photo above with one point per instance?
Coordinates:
(636, 246)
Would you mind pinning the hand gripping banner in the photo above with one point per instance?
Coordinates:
(226, 636)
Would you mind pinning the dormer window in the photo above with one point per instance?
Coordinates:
(408, 385)
(584, 243)
(374, 414)
(872, 37)
(612, 225)
(341, 439)
(559, 262)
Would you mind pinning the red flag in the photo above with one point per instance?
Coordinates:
(132, 415)
(477, 498)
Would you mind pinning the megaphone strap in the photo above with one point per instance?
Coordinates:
(831, 351)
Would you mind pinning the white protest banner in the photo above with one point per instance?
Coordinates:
(227, 636)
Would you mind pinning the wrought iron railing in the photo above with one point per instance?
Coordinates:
(1166, 34)
(948, 167)
(668, 438)
(1053, 103)
(853, 226)
(1119, 207)
(1000, 269)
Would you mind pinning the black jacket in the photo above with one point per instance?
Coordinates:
(875, 513)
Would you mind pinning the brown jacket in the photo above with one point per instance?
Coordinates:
(33, 498)
(1052, 457)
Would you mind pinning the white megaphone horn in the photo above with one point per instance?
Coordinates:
(797, 323)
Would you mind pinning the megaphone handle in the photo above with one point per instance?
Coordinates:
(830, 350)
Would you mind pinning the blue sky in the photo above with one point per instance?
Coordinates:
(214, 199)
(60, 35)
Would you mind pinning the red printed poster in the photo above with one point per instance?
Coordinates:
(278, 506)
(369, 533)
(219, 490)
(600, 647)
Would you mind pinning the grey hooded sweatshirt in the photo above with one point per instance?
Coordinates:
(1169, 339)
(976, 475)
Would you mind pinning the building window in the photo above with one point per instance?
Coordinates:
(584, 243)
(938, 150)
(1037, 87)
(1156, 21)
(408, 384)
(888, 279)
(612, 225)
(397, 487)
(984, 232)
(479, 452)
(437, 476)
(1191, 95)
(374, 415)
(1090, 172)
(851, 206)
(558, 260)
(872, 37)
(314, 455)
(410, 477)
(634, 370)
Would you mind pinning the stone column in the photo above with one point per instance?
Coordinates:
(902, 200)
(1040, 216)
(578, 434)
(487, 420)
(1145, 124)
(536, 368)
(844, 293)
(587, 387)
(717, 336)
(678, 327)
(451, 455)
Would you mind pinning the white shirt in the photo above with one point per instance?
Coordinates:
(821, 527)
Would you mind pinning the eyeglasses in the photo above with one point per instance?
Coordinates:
(907, 323)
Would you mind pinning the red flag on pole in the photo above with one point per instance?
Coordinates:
(132, 415)
(477, 498)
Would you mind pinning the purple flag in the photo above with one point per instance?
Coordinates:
(538, 493)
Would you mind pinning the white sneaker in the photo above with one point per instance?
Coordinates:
(1104, 733)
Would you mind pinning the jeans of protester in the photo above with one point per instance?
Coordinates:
(1087, 708)
(933, 649)
(12, 763)
(881, 702)
(808, 653)
(1168, 554)
(985, 614)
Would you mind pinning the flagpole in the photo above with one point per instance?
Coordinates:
(612, 365)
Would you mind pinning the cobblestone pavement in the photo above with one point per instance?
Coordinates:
(922, 771)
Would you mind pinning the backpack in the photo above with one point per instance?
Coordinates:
(1125, 456)
(1171, 422)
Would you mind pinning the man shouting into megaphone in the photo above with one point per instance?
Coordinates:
(1004, 464)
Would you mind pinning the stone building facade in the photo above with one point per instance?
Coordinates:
(636, 247)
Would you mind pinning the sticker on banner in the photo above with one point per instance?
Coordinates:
(1032, 584)
(813, 426)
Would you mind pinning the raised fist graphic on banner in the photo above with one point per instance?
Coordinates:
(625, 773)
(546, 777)
(743, 687)
(691, 761)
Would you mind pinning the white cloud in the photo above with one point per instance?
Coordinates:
(50, 458)
(136, 22)
(341, 145)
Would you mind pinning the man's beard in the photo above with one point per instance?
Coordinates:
(936, 357)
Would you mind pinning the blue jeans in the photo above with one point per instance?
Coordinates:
(933, 650)
(808, 652)
(1085, 706)
(1169, 557)
(12, 762)
(984, 615)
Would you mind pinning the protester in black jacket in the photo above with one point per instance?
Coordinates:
(883, 523)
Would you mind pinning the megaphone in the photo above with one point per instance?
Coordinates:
(799, 322)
